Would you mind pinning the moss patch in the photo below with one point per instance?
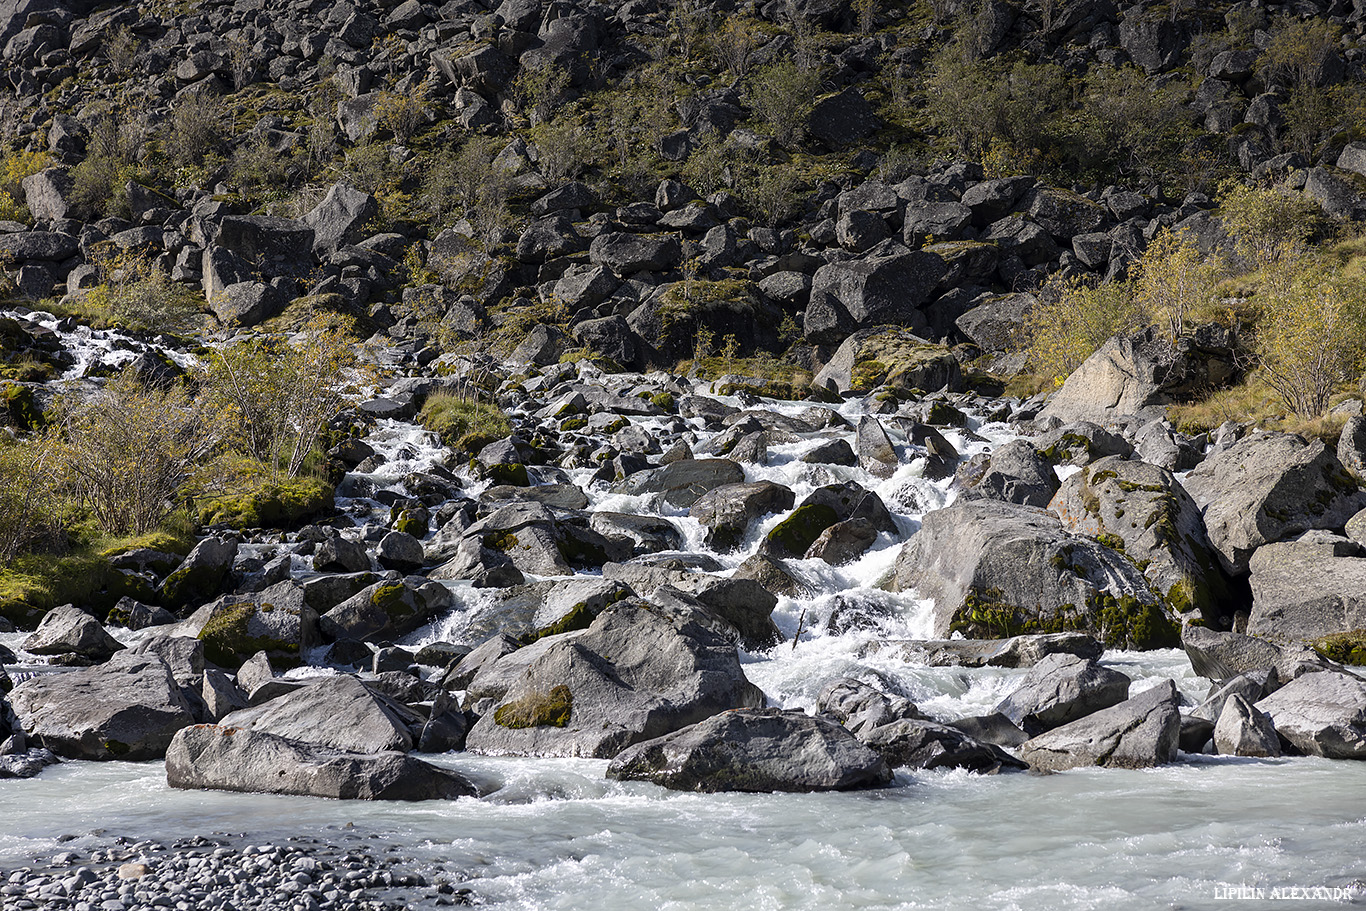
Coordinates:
(286, 504)
(537, 710)
(464, 425)
(795, 534)
(1344, 648)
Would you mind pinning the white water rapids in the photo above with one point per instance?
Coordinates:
(556, 834)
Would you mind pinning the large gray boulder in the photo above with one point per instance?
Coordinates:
(823, 508)
(128, 709)
(755, 749)
(872, 291)
(1014, 472)
(683, 483)
(224, 758)
(1145, 511)
(890, 356)
(386, 610)
(526, 612)
(626, 254)
(633, 675)
(1218, 655)
(1321, 714)
(1270, 487)
(341, 218)
(1060, 689)
(201, 574)
(1138, 733)
(337, 712)
(1138, 374)
(995, 569)
(727, 511)
(1302, 592)
(67, 630)
(1243, 730)
(276, 620)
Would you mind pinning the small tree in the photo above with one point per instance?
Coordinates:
(27, 493)
(1175, 282)
(1267, 225)
(782, 94)
(1311, 334)
(283, 394)
(1072, 320)
(129, 448)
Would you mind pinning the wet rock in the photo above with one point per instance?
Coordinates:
(827, 505)
(832, 452)
(843, 542)
(875, 451)
(1219, 655)
(126, 709)
(220, 695)
(1245, 731)
(336, 554)
(1138, 733)
(644, 534)
(631, 676)
(66, 630)
(754, 750)
(1016, 651)
(997, 568)
(1321, 714)
(683, 483)
(728, 510)
(339, 712)
(1270, 487)
(400, 551)
(386, 610)
(1060, 689)
(527, 612)
(221, 757)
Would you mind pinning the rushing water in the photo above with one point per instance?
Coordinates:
(557, 834)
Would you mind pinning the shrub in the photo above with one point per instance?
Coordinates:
(1267, 224)
(198, 130)
(271, 505)
(1069, 323)
(1311, 333)
(128, 449)
(539, 89)
(136, 293)
(403, 115)
(283, 395)
(14, 167)
(27, 495)
(1126, 126)
(1174, 282)
(111, 149)
(782, 94)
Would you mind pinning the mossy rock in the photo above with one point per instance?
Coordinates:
(228, 641)
(1344, 648)
(795, 534)
(412, 523)
(942, 414)
(22, 614)
(663, 401)
(537, 710)
(901, 360)
(510, 473)
(19, 407)
(287, 504)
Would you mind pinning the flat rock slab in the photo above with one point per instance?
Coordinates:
(1322, 714)
(339, 712)
(1136, 734)
(755, 750)
(1017, 651)
(223, 758)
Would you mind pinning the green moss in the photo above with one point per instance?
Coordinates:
(942, 414)
(580, 616)
(551, 709)
(20, 409)
(572, 424)
(503, 542)
(795, 534)
(1114, 542)
(1344, 648)
(1126, 622)
(411, 523)
(510, 473)
(663, 400)
(228, 643)
(462, 424)
(284, 504)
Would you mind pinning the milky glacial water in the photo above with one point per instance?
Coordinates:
(554, 833)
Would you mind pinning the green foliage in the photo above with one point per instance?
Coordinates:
(110, 162)
(28, 496)
(1344, 648)
(539, 89)
(1175, 283)
(468, 184)
(281, 395)
(197, 131)
(274, 504)
(782, 94)
(1311, 332)
(1267, 224)
(401, 114)
(137, 293)
(975, 103)
(1071, 321)
(14, 167)
(462, 424)
(1127, 127)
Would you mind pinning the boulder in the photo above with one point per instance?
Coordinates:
(1302, 592)
(626, 254)
(1014, 472)
(66, 630)
(1245, 731)
(862, 293)
(824, 507)
(1060, 689)
(1017, 651)
(276, 620)
(890, 357)
(1138, 733)
(343, 217)
(755, 749)
(1218, 655)
(224, 758)
(527, 612)
(1321, 714)
(200, 574)
(631, 676)
(727, 511)
(339, 712)
(921, 744)
(245, 303)
(183, 655)
(1139, 373)
(386, 610)
(996, 569)
(1270, 487)
(128, 708)
(1144, 512)
(400, 551)
(336, 554)
(683, 483)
